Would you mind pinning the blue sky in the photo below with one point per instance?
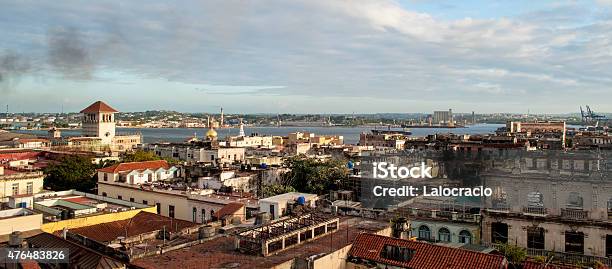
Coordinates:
(310, 56)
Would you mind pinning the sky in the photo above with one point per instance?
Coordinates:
(307, 56)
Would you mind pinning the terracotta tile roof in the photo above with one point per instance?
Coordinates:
(98, 106)
(537, 265)
(29, 264)
(426, 255)
(122, 167)
(229, 209)
(141, 223)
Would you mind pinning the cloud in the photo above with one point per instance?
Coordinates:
(321, 49)
(604, 2)
(12, 67)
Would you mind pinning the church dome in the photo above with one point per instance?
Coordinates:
(211, 134)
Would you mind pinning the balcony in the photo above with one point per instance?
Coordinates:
(561, 257)
(569, 258)
(499, 209)
(535, 211)
(574, 214)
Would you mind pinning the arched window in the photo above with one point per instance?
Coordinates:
(424, 232)
(465, 237)
(574, 200)
(444, 235)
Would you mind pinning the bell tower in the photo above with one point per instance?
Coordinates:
(99, 121)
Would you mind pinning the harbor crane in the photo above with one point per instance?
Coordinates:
(589, 116)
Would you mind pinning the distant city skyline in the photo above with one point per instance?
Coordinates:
(311, 56)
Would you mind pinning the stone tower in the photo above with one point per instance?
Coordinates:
(99, 121)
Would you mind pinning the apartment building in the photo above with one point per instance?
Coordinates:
(197, 152)
(157, 183)
(551, 202)
(15, 182)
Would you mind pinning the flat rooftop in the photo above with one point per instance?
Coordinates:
(52, 204)
(220, 252)
(288, 196)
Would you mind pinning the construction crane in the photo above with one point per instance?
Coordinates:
(589, 116)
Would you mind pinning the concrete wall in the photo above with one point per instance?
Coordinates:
(93, 220)
(334, 260)
(183, 207)
(20, 223)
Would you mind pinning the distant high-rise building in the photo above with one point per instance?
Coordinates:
(221, 122)
(443, 117)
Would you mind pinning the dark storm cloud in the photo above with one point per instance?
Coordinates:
(69, 54)
(12, 67)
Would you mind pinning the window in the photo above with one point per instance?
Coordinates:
(194, 214)
(499, 232)
(465, 237)
(574, 200)
(574, 242)
(203, 215)
(119, 197)
(535, 238)
(104, 194)
(424, 232)
(105, 177)
(30, 187)
(15, 188)
(397, 253)
(158, 205)
(444, 235)
(535, 199)
(145, 202)
(171, 211)
(132, 200)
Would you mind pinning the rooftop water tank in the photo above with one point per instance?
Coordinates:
(301, 200)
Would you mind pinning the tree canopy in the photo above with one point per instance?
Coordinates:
(314, 176)
(71, 172)
(143, 156)
(276, 189)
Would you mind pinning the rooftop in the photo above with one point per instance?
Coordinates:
(141, 223)
(80, 257)
(288, 196)
(99, 106)
(229, 209)
(370, 247)
(220, 252)
(123, 167)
